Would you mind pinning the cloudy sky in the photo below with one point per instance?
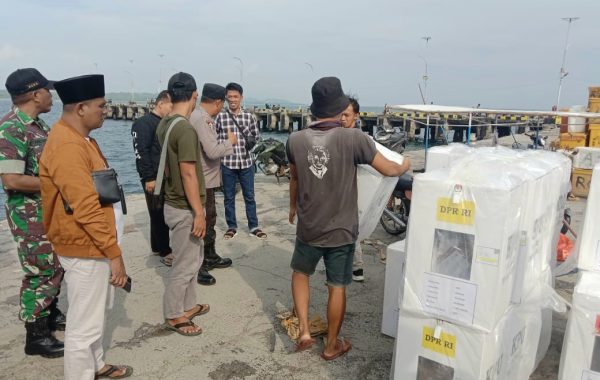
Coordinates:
(500, 53)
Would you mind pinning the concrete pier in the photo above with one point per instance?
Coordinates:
(242, 337)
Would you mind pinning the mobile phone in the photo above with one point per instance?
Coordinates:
(127, 286)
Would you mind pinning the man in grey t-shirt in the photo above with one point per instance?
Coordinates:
(323, 193)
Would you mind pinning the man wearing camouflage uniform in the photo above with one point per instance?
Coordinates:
(22, 138)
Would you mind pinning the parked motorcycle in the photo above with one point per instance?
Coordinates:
(395, 215)
(537, 142)
(392, 138)
(270, 158)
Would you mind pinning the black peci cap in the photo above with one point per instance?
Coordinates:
(213, 91)
(80, 89)
(25, 80)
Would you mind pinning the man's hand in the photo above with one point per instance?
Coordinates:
(118, 276)
(292, 215)
(150, 185)
(199, 226)
(232, 138)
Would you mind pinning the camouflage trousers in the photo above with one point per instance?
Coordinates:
(42, 271)
(41, 284)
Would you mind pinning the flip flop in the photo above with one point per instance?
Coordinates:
(167, 260)
(305, 344)
(345, 347)
(229, 234)
(258, 233)
(204, 308)
(178, 330)
(112, 369)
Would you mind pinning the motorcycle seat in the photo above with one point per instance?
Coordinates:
(405, 182)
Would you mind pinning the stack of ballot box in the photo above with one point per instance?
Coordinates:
(580, 357)
(374, 192)
(478, 264)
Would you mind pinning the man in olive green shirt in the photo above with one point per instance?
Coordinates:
(185, 196)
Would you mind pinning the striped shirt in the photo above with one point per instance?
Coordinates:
(240, 159)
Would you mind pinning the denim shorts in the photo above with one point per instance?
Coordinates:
(338, 262)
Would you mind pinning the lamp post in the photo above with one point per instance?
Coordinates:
(241, 69)
(563, 72)
(160, 81)
(131, 83)
(426, 75)
(425, 78)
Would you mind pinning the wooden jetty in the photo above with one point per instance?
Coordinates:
(282, 119)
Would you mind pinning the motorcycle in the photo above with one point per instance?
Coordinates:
(394, 219)
(392, 138)
(269, 157)
(537, 142)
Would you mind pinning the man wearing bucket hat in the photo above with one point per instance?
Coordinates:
(22, 137)
(323, 193)
(83, 231)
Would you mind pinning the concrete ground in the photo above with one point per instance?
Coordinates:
(242, 337)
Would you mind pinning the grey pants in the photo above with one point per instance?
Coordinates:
(188, 253)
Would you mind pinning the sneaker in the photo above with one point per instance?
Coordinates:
(358, 275)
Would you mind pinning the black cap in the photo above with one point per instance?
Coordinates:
(181, 82)
(328, 98)
(26, 80)
(213, 91)
(80, 89)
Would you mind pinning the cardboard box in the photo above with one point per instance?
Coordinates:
(572, 140)
(594, 140)
(580, 181)
(588, 243)
(461, 259)
(586, 158)
(580, 357)
(395, 265)
(438, 350)
(374, 191)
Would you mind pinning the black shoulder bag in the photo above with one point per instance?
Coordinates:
(249, 140)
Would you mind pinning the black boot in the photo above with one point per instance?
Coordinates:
(40, 341)
(212, 260)
(57, 321)
(205, 278)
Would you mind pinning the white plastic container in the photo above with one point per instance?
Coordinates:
(374, 191)
(588, 244)
(434, 349)
(580, 357)
(586, 158)
(576, 123)
(461, 260)
(395, 266)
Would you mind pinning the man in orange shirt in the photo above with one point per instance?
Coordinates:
(82, 231)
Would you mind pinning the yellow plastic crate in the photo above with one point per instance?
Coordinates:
(572, 140)
(594, 141)
(580, 182)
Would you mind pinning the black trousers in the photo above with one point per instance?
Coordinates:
(159, 231)
(211, 217)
